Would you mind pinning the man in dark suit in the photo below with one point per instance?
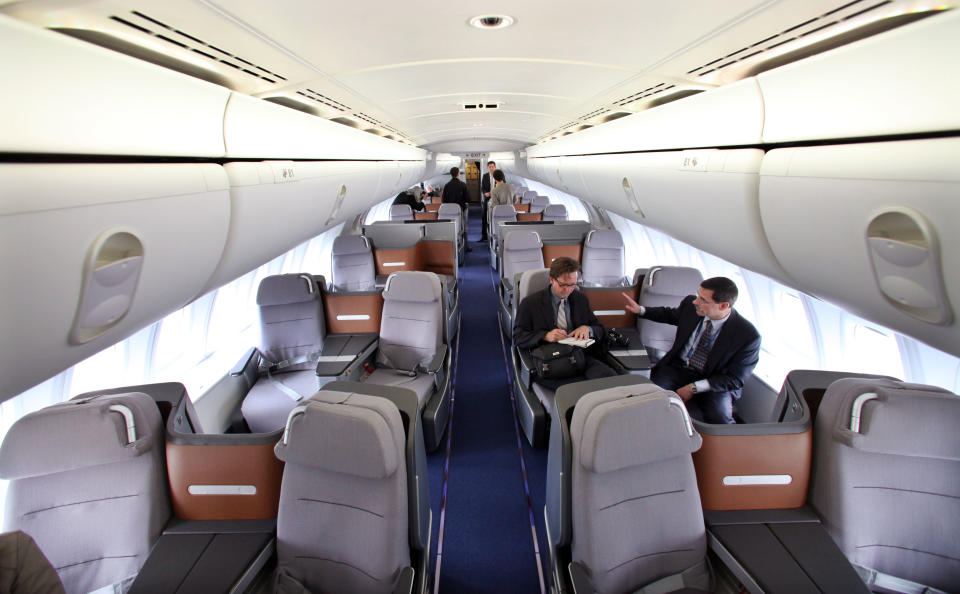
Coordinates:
(539, 320)
(713, 354)
(486, 186)
(410, 198)
(455, 191)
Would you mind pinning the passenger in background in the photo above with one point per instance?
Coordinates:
(503, 192)
(411, 198)
(539, 320)
(456, 192)
(713, 354)
(486, 185)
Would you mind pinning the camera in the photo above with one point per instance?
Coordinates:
(615, 338)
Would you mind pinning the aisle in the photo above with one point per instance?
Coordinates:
(487, 544)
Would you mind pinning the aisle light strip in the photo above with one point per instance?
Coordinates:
(757, 479)
(222, 489)
(348, 317)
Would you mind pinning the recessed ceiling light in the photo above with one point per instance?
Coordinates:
(491, 21)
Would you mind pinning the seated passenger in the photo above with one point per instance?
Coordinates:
(713, 354)
(558, 312)
(411, 198)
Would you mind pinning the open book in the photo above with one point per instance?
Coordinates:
(575, 342)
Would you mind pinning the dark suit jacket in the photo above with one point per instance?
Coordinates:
(409, 200)
(456, 192)
(735, 351)
(535, 317)
(486, 184)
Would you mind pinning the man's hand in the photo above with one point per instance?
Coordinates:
(555, 335)
(632, 306)
(487, 194)
(581, 333)
(685, 392)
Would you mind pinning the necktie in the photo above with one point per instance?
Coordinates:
(562, 315)
(699, 357)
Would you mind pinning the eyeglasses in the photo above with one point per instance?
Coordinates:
(566, 285)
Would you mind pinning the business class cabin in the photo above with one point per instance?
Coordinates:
(523, 297)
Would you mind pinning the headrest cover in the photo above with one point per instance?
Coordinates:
(522, 240)
(448, 209)
(346, 245)
(904, 419)
(604, 238)
(78, 434)
(555, 210)
(532, 281)
(628, 426)
(422, 287)
(358, 436)
(283, 289)
(541, 201)
(677, 281)
(504, 211)
(529, 195)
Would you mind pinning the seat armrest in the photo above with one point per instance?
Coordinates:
(526, 360)
(436, 363)
(579, 580)
(404, 583)
(251, 357)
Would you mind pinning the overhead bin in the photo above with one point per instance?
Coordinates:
(70, 97)
(728, 116)
(276, 205)
(706, 198)
(900, 82)
(257, 129)
(95, 252)
(873, 228)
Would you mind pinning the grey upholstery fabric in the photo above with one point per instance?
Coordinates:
(292, 325)
(353, 268)
(423, 384)
(636, 514)
(401, 212)
(411, 327)
(342, 524)
(555, 212)
(532, 281)
(539, 203)
(665, 286)
(528, 196)
(501, 213)
(603, 258)
(449, 210)
(93, 502)
(522, 250)
(889, 494)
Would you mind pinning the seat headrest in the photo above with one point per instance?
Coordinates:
(449, 208)
(423, 287)
(529, 195)
(532, 281)
(347, 245)
(283, 289)
(897, 418)
(353, 434)
(628, 426)
(555, 210)
(678, 281)
(522, 240)
(604, 238)
(401, 210)
(79, 434)
(504, 210)
(541, 201)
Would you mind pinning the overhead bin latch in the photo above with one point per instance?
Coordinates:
(905, 256)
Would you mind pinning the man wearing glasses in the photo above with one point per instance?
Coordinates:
(558, 312)
(713, 354)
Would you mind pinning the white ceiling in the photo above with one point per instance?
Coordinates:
(406, 69)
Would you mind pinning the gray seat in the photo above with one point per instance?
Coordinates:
(88, 483)
(452, 211)
(401, 212)
(603, 259)
(664, 286)
(528, 196)
(555, 212)
(539, 203)
(292, 330)
(886, 480)
(630, 515)
(353, 268)
(501, 213)
(534, 401)
(522, 250)
(354, 512)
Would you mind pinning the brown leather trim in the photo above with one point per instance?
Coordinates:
(552, 252)
(425, 216)
(521, 207)
(433, 206)
(371, 305)
(437, 256)
(529, 216)
(738, 455)
(603, 298)
(406, 255)
(224, 465)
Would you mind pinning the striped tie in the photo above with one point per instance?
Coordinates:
(562, 315)
(699, 357)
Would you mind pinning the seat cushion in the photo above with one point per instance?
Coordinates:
(266, 406)
(422, 384)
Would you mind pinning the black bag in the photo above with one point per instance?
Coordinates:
(558, 361)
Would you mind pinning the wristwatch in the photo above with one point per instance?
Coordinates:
(693, 388)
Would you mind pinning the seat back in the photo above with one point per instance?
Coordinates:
(411, 327)
(401, 212)
(635, 507)
(342, 524)
(665, 286)
(450, 210)
(291, 318)
(531, 281)
(501, 213)
(528, 196)
(89, 484)
(886, 477)
(555, 212)
(522, 250)
(353, 268)
(603, 258)
(539, 203)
